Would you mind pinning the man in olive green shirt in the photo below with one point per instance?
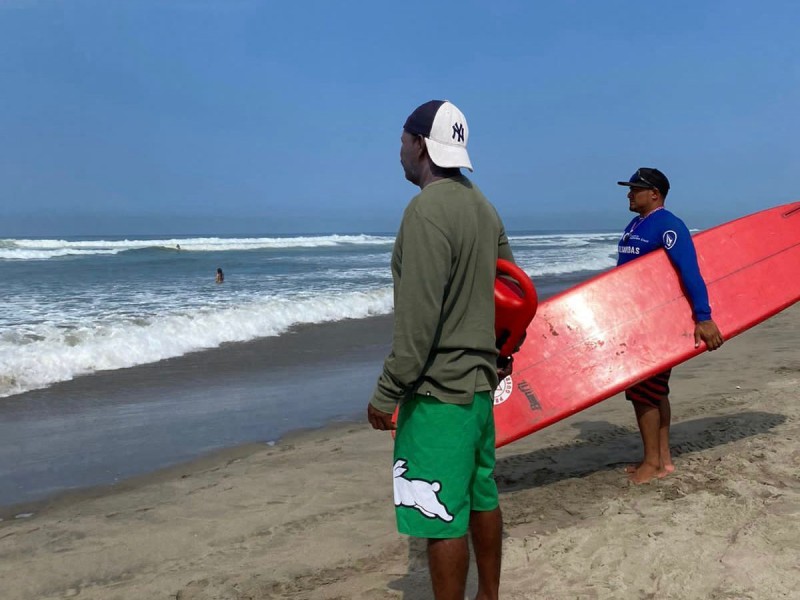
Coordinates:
(442, 367)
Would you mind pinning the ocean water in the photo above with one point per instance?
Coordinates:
(76, 306)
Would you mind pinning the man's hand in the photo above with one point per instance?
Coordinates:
(708, 332)
(505, 366)
(379, 419)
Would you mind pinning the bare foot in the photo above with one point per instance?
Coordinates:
(668, 468)
(645, 473)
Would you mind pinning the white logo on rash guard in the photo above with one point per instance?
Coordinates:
(418, 493)
(669, 238)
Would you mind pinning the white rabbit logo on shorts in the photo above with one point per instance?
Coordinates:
(418, 493)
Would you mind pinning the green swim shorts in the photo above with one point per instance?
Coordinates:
(443, 465)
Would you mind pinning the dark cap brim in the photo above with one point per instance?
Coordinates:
(637, 185)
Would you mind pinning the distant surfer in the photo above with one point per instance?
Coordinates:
(442, 367)
(220, 276)
(178, 247)
(655, 228)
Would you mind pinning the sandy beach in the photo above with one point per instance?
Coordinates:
(312, 516)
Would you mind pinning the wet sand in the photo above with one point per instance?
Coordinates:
(105, 427)
(312, 516)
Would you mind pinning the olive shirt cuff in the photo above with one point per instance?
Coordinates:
(383, 404)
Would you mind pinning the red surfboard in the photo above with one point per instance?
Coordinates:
(602, 336)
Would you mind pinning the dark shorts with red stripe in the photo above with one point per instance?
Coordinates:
(651, 391)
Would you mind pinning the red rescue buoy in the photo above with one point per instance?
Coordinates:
(515, 304)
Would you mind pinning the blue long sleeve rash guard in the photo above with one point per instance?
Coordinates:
(662, 229)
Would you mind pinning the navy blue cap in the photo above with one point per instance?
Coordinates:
(649, 178)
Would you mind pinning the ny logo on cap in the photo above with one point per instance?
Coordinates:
(458, 130)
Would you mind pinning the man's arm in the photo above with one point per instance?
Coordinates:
(503, 247)
(683, 255)
(505, 364)
(419, 296)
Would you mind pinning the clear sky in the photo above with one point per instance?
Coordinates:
(239, 116)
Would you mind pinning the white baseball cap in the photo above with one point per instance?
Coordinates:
(445, 130)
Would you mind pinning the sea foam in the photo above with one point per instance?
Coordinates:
(32, 249)
(52, 353)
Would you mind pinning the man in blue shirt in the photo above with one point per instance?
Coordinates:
(654, 228)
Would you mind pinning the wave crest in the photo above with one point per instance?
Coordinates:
(52, 354)
(29, 249)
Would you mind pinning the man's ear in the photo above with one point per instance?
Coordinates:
(423, 148)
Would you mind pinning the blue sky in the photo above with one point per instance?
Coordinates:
(237, 116)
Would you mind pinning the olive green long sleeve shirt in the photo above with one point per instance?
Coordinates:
(443, 267)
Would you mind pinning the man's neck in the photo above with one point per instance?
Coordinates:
(437, 174)
(650, 211)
